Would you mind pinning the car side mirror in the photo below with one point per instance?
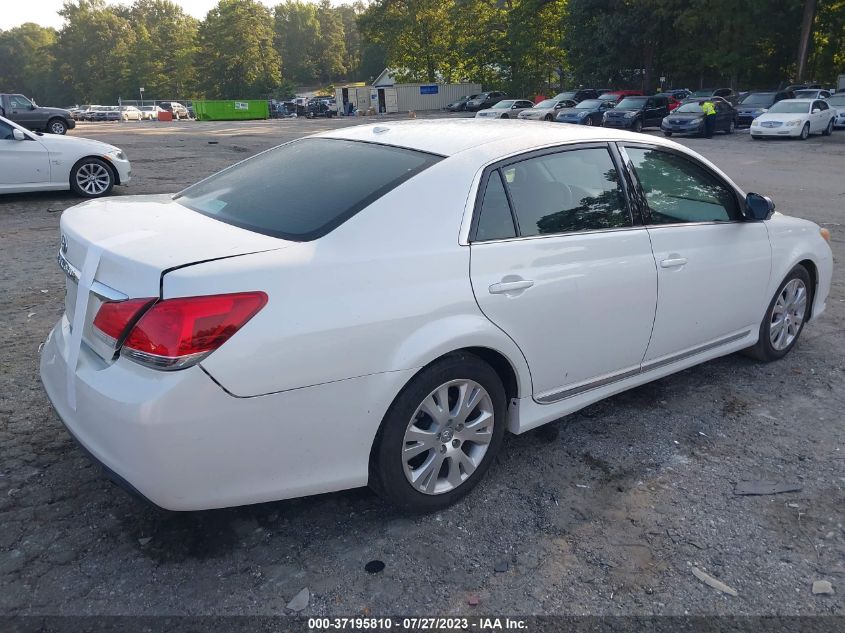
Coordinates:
(18, 135)
(816, 110)
(758, 207)
(32, 106)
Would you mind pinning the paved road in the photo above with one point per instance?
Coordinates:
(604, 512)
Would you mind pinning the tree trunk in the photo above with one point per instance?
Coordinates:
(806, 33)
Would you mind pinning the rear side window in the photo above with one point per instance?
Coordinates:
(495, 221)
(303, 190)
(576, 190)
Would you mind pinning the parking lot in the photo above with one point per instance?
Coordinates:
(604, 512)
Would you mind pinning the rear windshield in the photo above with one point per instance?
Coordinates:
(303, 190)
(760, 99)
(635, 103)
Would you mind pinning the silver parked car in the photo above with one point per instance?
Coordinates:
(507, 109)
(546, 110)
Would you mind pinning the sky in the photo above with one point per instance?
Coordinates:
(44, 12)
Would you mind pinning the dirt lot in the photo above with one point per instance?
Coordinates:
(605, 512)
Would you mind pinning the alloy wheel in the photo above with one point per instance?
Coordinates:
(787, 315)
(448, 436)
(57, 127)
(805, 132)
(93, 178)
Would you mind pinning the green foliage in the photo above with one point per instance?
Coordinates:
(242, 49)
(237, 57)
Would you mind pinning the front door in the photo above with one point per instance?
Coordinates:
(21, 111)
(22, 162)
(558, 264)
(712, 266)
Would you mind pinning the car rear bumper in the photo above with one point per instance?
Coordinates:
(183, 443)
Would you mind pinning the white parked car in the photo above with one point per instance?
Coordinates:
(385, 319)
(150, 113)
(35, 162)
(837, 102)
(506, 109)
(130, 113)
(795, 117)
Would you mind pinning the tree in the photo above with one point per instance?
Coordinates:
(28, 49)
(297, 32)
(236, 57)
(331, 46)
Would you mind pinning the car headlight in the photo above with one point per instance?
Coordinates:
(794, 122)
(630, 115)
(116, 153)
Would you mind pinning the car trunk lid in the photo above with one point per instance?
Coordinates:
(119, 248)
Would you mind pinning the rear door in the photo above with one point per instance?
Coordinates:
(713, 268)
(560, 265)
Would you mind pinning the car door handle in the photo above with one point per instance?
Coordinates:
(510, 286)
(673, 262)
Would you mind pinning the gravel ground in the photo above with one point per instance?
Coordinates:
(605, 512)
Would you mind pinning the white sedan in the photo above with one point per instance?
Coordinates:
(130, 113)
(507, 109)
(275, 331)
(150, 113)
(36, 162)
(795, 117)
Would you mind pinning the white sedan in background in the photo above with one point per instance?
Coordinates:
(36, 162)
(150, 113)
(795, 117)
(507, 109)
(130, 113)
(277, 331)
(837, 102)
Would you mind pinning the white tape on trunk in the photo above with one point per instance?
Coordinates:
(86, 278)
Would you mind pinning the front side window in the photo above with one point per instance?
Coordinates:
(577, 190)
(18, 101)
(6, 132)
(678, 190)
(302, 190)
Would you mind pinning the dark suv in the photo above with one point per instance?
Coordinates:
(635, 113)
(484, 100)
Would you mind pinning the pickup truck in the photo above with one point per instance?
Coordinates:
(27, 114)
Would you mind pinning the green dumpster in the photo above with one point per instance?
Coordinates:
(234, 110)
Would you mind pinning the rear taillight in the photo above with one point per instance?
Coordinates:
(114, 318)
(178, 333)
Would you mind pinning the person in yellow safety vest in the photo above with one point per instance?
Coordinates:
(709, 110)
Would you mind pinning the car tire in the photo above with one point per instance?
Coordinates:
(785, 317)
(731, 128)
(505, 116)
(805, 132)
(665, 133)
(638, 126)
(92, 178)
(588, 121)
(829, 129)
(56, 126)
(549, 117)
(407, 421)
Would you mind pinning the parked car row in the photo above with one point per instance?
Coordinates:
(130, 113)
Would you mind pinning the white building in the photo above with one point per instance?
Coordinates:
(385, 95)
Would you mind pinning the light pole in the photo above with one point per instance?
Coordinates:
(141, 90)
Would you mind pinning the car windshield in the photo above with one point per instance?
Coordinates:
(565, 95)
(634, 103)
(548, 103)
(806, 94)
(505, 104)
(608, 96)
(280, 193)
(837, 100)
(691, 107)
(702, 93)
(790, 107)
(763, 99)
(589, 104)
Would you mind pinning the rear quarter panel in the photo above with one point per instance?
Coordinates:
(389, 290)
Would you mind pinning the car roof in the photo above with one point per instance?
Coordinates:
(495, 138)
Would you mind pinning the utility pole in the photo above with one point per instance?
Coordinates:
(806, 33)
